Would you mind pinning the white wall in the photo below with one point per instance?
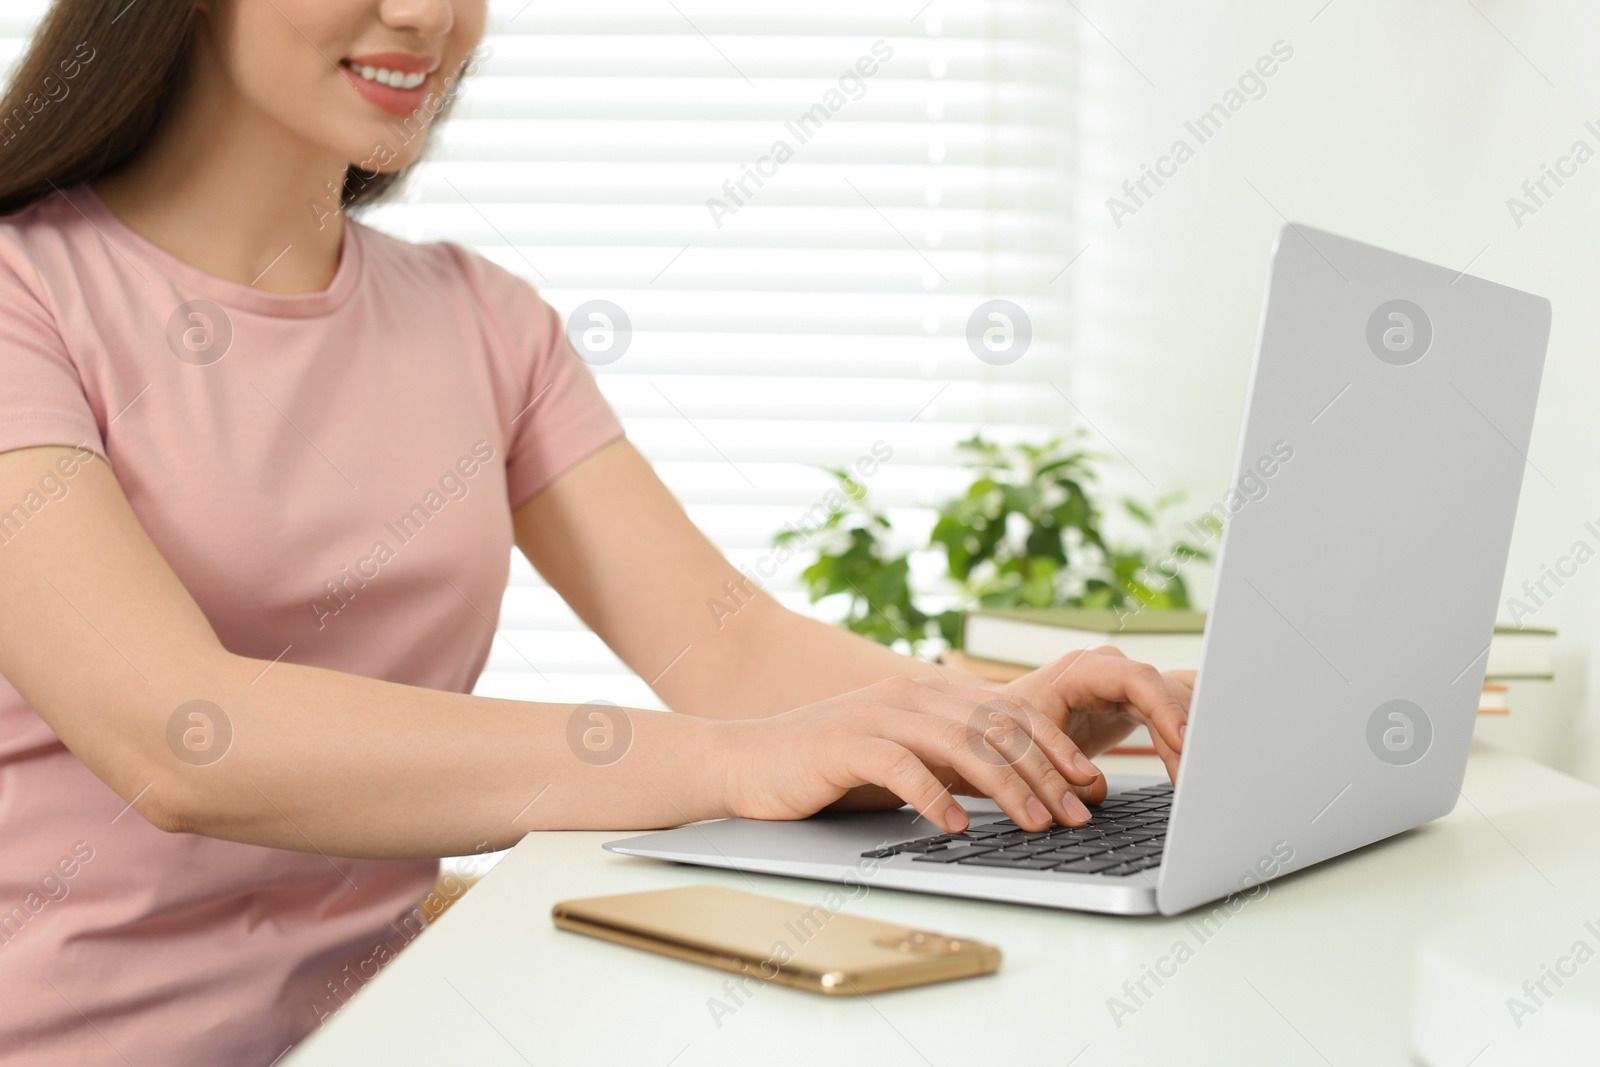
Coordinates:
(1403, 124)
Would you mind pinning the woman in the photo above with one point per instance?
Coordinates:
(260, 472)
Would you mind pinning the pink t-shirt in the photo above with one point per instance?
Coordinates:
(332, 476)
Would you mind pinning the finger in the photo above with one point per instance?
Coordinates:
(1086, 780)
(1169, 758)
(961, 746)
(1182, 685)
(1058, 772)
(877, 761)
(1094, 792)
(1003, 721)
(1042, 730)
(1144, 695)
(1105, 679)
(1041, 753)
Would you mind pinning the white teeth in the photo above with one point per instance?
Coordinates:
(393, 78)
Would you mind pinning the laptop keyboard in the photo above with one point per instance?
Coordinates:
(1123, 836)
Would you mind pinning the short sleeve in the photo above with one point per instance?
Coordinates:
(556, 417)
(42, 399)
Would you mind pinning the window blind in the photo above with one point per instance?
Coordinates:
(798, 208)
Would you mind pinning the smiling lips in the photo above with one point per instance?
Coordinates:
(394, 81)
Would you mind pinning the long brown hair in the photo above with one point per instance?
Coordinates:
(92, 88)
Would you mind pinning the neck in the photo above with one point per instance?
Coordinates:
(234, 193)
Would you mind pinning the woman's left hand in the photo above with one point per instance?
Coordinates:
(1098, 696)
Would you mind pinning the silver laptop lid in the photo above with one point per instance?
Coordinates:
(1380, 463)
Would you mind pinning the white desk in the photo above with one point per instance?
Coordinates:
(1318, 971)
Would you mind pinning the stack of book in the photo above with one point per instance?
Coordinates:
(1000, 644)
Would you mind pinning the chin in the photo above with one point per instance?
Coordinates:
(378, 147)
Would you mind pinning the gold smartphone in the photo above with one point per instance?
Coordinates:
(812, 947)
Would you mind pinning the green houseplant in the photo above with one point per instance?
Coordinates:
(1027, 531)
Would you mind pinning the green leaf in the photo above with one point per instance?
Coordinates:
(1138, 512)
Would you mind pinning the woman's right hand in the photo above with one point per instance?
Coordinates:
(921, 740)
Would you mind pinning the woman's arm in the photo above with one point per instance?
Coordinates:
(101, 638)
(103, 641)
(617, 546)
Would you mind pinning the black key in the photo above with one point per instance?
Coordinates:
(1142, 835)
(1148, 861)
(1067, 855)
(953, 854)
(1003, 826)
(1020, 863)
(1096, 843)
(1121, 870)
(976, 835)
(881, 853)
(922, 846)
(1031, 848)
(1088, 866)
(1081, 833)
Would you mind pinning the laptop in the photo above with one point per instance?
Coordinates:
(1382, 455)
